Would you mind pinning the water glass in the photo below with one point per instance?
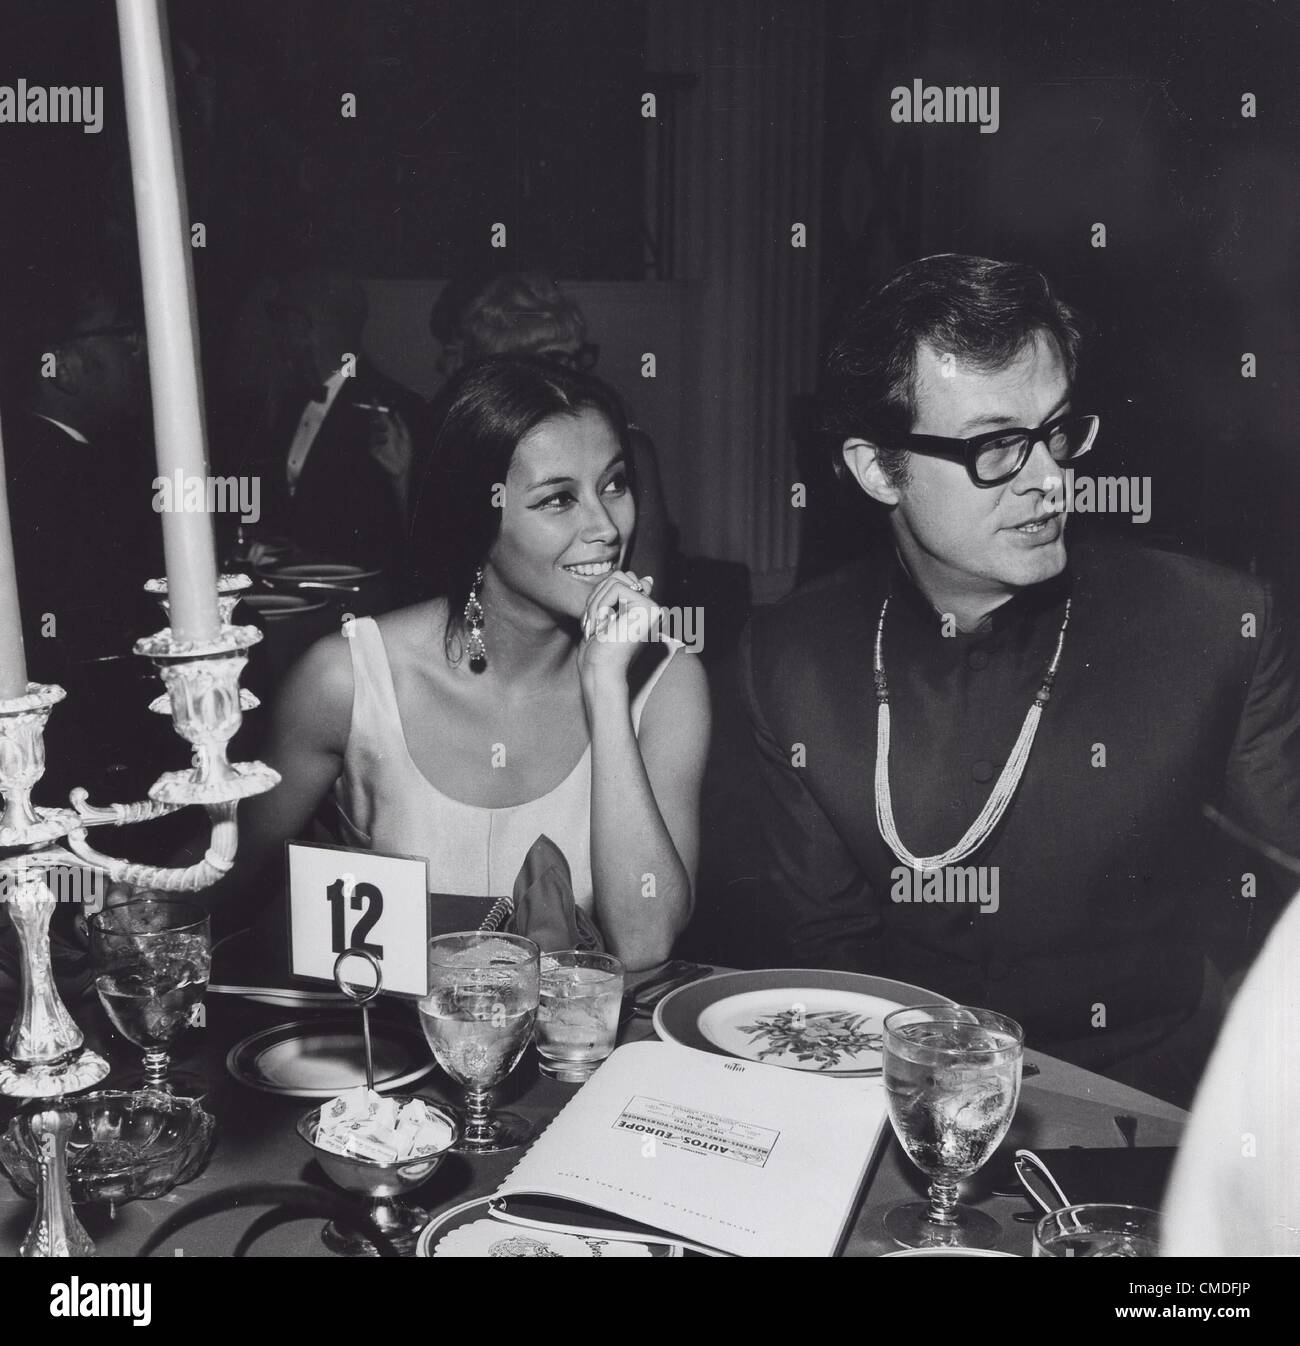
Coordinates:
(478, 1019)
(577, 1017)
(952, 1079)
(152, 957)
(1096, 1230)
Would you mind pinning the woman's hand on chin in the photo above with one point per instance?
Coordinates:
(619, 618)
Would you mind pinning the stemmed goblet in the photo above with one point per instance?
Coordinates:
(952, 1078)
(152, 957)
(478, 1018)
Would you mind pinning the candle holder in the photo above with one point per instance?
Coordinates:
(56, 1232)
(46, 1055)
(230, 589)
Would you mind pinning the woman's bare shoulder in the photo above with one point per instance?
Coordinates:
(682, 684)
(412, 632)
(318, 688)
(685, 673)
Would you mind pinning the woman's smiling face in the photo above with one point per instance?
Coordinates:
(568, 512)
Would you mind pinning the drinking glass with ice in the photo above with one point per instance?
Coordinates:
(152, 957)
(952, 1078)
(478, 1020)
(577, 1016)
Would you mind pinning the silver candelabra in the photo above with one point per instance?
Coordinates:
(45, 1052)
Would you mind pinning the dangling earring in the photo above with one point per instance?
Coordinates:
(474, 620)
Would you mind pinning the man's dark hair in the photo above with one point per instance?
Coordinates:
(45, 308)
(979, 311)
(491, 406)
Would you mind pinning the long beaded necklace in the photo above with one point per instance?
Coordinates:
(1000, 797)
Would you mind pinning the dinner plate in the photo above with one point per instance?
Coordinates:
(948, 1252)
(328, 572)
(282, 996)
(320, 1058)
(467, 1230)
(802, 1019)
(276, 607)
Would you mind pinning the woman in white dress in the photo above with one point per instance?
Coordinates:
(533, 695)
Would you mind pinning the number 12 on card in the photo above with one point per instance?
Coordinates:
(341, 898)
(361, 894)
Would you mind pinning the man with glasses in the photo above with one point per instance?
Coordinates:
(89, 377)
(985, 762)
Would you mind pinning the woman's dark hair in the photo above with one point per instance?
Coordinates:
(978, 310)
(521, 311)
(490, 407)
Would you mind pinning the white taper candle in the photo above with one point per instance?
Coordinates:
(162, 225)
(13, 659)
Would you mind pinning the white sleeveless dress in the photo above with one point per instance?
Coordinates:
(385, 803)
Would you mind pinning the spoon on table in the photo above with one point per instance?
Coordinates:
(1036, 1178)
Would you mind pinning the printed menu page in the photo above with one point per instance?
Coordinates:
(740, 1157)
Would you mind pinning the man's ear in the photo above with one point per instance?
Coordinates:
(862, 458)
(69, 375)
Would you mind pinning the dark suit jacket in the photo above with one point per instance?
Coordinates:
(345, 508)
(86, 538)
(1096, 946)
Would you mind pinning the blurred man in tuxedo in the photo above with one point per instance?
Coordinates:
(336, 455)
(986, 761)
(80, 471)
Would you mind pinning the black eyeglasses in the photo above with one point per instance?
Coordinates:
(996, 457)
(584, 357)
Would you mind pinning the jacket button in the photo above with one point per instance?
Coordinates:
(978, 660)
(983, 772)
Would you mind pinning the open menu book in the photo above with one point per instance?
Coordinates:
(724, 1155)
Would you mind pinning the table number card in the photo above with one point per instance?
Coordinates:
(341, 898)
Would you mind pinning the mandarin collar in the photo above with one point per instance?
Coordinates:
(1021, 609)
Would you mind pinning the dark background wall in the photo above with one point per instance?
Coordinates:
(1126, 114)
(1129, 115)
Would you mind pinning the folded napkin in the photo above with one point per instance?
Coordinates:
(542, 907)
